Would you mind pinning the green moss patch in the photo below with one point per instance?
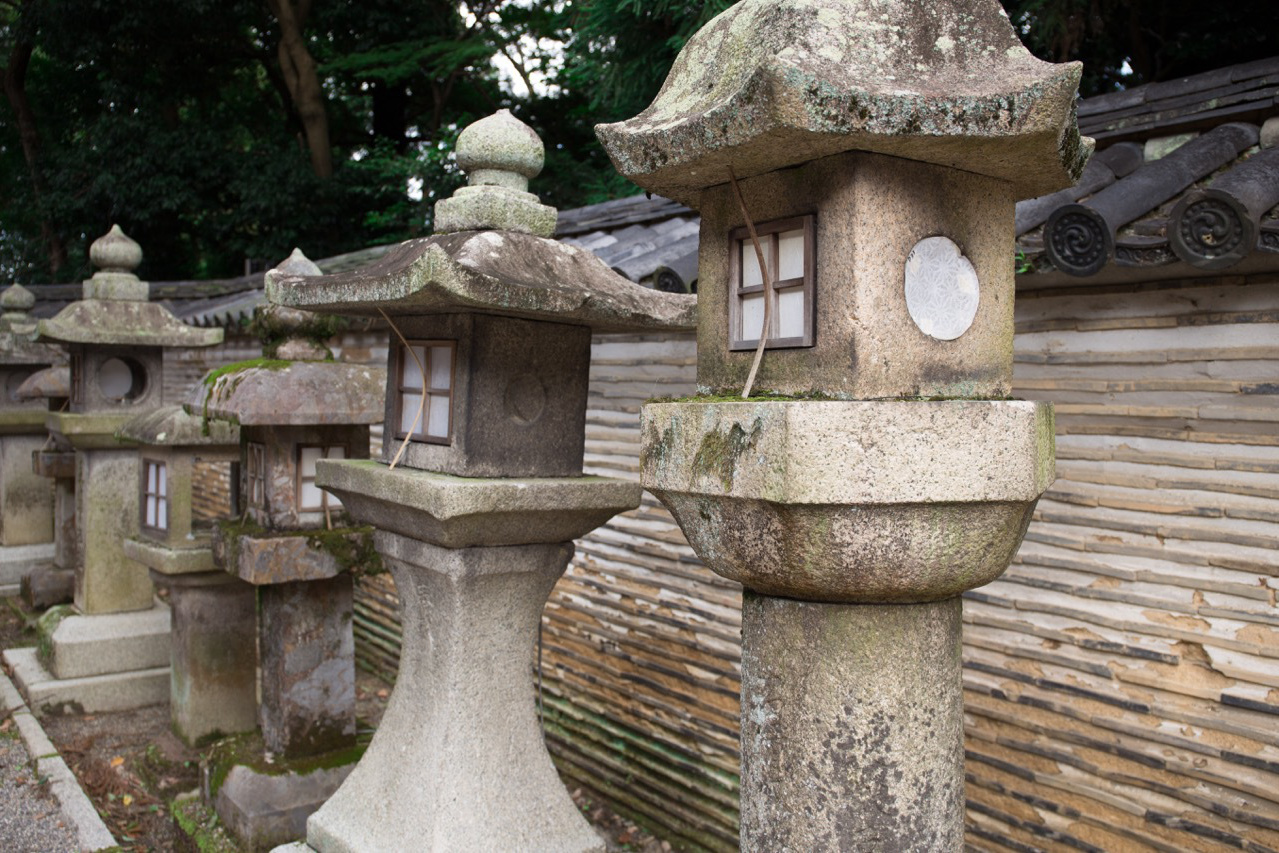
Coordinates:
(201, 825)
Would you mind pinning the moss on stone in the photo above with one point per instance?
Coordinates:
(352, 547)
(201, 825)
(272, 329)
(249, 750)
(718, 454)
(45, 626)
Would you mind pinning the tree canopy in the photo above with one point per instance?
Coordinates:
(217, 131)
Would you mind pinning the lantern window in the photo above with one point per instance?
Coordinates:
(790, 255)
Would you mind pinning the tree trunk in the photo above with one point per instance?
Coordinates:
(303, 82)
(15, 89)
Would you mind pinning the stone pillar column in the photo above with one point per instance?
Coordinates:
(461, 732)
(213, 664)
(877, 688)
(107, 579)
(308, 666)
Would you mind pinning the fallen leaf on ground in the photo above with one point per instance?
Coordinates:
(117, 761)
(383, 693)
(127, 799)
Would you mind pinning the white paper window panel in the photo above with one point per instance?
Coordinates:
(408, 412)
(790, 254)
(413, 373)
(151, 511)
(750, 261)
(441, 368)
(752, 316)
(437, 425)
(163, 478)
(151, 484)
(162, 513)
(790, 312)
(311, 454)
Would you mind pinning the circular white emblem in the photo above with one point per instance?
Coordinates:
(941, 288)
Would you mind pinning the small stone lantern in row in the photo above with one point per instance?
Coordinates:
(212, 683)
(485, 410)
(296, 547)
(114, 652)
(878, 149)
(26, 498)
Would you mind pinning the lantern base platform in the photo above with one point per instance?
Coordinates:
(116, 691)
(80, 646)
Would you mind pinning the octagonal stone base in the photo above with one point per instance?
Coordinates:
(860, 502)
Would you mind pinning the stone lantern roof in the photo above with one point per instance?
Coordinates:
(16, 330)
(52, 382)
(496, 257)
(296, 383)
(769, 84)
(115, 309)
(172, 426)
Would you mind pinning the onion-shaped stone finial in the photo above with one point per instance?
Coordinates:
(115, 251)
(499, 154)
(298, 264)
(16, 301)
(500, 151)
(288, 333)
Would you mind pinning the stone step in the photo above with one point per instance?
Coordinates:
(18, 560)
(120, 691)
(103, 643)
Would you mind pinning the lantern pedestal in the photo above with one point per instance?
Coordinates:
(458, 761)
(307, 659)
(854, 526)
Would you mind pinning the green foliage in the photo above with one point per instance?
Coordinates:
(173, 117)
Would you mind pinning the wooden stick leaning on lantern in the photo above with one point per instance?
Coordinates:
(768, 286)
(421, 403)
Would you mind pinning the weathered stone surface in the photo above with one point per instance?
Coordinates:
(89, 431)
(499, 154)
(769, 84)
(851, 501)
(461, 512)
(870, 210)
(266, 559)
(458, 761)
(166, 560)
(50, 383)
(265, 809)
(115, 310)
(17, 561)
(489, 272)
(852, 726)
(44, 588)
(107, 579)
(267, 392)
(307, 654)
(172, 426)
(81, 646)
(115, 691)
(213, 689)
(26, 498)
(519, 398)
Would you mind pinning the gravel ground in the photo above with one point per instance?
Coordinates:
(30, 819)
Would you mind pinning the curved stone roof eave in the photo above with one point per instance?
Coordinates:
(123, 323)
(301, 393)
(173, 426)
(767, 84)
(491, 272)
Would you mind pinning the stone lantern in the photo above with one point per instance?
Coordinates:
(26, 499)
(485, 412)
(113, 653)
(53, 584)
(297, 549)
(212, 672)
(881, 470)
